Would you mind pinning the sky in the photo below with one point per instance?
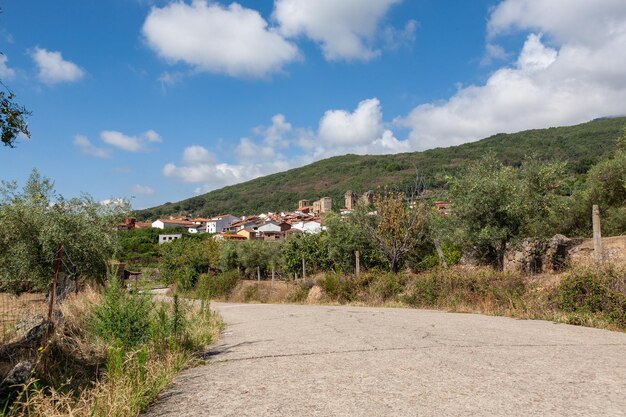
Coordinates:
(157, 101)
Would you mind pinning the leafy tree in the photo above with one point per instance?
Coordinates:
(35, 219)
(12, 118)
(312, 247)
(345, 237)
(397, 227)
(183, 260)
(494, 205)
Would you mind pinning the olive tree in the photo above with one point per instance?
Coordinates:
(34, 220)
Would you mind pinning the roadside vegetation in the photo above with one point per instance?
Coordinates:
(113, 352)
(109, 348)
(493, 209)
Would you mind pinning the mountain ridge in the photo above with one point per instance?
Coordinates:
(580, 146)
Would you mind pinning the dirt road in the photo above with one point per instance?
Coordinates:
(288, 360)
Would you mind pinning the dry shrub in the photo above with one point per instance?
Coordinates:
(79, 374)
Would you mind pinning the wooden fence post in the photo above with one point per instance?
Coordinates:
(442, 258)
(303, 270)
(597, 234)
(55, 279)
(273, 273)
(357, 260)
(258, 274)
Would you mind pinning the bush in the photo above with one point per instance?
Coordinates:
(387, 285)
(301, 292)
(122, 318)
(220, 285)
(337, 288)
(598, 292)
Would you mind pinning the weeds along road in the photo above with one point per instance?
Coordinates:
(292, 360)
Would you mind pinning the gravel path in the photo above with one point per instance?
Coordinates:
(290, 360)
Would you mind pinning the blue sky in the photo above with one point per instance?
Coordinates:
(158, 100)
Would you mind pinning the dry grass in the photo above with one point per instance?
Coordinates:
(16, 308)
(79, 375)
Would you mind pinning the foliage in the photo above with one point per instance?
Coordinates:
(124, 380)
(12, 119)
(337, 287)
(592, 291)
(139, 245)
(35, 219)
(344, 238)
(312, 247)
(122, 319)
(217, 285)
(183, 260)
(578, 146)
(397, 227)
(494, 205)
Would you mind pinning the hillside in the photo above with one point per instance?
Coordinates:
(580, 146)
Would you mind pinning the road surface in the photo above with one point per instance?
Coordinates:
(292, 360)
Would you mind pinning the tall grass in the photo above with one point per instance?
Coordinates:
(95, 366)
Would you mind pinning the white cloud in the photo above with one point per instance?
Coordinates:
(344, 29)
(278, 133)
(53, 69)
(231, 40)
(86, 147)
(396, 38)
(572, 74)
(142, 190)
(218, 174)
(5, 72)
(494, 52)
(130, 143)
(361, 132)
(363, 126)
(195, 155)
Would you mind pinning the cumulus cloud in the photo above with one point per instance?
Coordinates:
(142, 190)
(5, 72)
(88, 148)
(130, 143)
(361, 131)
(53, 69)
(344, 29)
(213, 174)
(231, 40)
(343, 128)
(570, 70)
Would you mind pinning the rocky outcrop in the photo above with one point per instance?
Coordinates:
(535, 256)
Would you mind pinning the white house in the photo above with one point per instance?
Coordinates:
(270, 226)
(309, 226)
(170, 224)
(218, 223)
(168, 238)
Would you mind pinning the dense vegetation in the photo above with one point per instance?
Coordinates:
(34, 220)
(578, 147)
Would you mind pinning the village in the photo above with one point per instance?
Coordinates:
(270, 226)
(308, 217)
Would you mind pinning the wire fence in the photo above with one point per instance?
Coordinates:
(17, 310)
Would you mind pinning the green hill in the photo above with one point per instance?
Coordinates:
(580, 146)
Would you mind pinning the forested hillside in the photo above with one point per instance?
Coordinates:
(580, 146)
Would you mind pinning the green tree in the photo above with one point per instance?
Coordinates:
(494, 205)
(183, 260)
(397, 226)
(35, 219)
(12, 118)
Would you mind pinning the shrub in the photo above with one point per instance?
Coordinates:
(337, 288)
(387, 285)
(220, 285)
(301, 292)
(122, 318)
(600, 292)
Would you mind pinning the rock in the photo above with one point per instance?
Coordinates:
(536, 256)
(315, 295)
(13, 384)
